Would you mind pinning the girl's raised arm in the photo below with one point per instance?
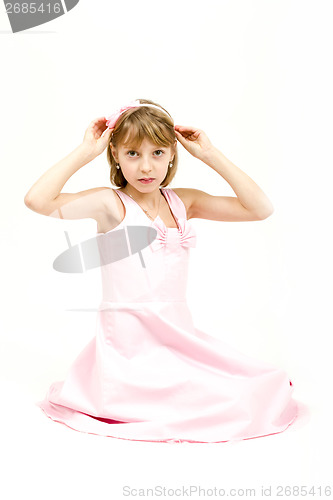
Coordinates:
(45, 196)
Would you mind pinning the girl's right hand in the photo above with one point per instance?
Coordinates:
(93, 139)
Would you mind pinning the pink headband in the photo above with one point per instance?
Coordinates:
(112, 119)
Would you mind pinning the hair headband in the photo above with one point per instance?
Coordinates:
(112, 119)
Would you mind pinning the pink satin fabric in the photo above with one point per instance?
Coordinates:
(113, 118)
(149, 374)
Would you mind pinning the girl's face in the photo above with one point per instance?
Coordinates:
(148, 160)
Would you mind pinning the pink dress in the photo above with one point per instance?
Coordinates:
(149, 374)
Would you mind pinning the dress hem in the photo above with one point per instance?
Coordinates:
(168, 440)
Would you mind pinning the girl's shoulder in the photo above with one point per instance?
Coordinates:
(186, 196)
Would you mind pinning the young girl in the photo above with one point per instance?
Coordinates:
(149, 374)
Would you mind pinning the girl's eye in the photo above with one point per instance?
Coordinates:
(157, 151)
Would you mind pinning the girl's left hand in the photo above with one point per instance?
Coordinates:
(194, 140)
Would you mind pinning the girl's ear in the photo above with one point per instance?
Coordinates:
(114, 152)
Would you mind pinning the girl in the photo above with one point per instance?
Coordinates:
(149, 374)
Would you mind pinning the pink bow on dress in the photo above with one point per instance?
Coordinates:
(187, 234)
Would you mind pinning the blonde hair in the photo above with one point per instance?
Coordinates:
(132, 127)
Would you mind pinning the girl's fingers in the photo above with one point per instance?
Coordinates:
(184, 128)
(100, 119)
(187, 132)
(178, 135)
(108, 132)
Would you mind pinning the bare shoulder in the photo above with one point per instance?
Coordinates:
(195, 200)
(187, 195)
(113, 211)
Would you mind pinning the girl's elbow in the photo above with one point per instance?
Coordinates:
(27, 201)
(267, 213)
(32, 204)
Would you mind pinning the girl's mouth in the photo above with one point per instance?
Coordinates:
(146, 180)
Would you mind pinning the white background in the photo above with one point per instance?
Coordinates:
(256, 76)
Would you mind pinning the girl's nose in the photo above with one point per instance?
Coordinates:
(145, 165)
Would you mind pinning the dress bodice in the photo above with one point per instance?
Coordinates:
(159, 271)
